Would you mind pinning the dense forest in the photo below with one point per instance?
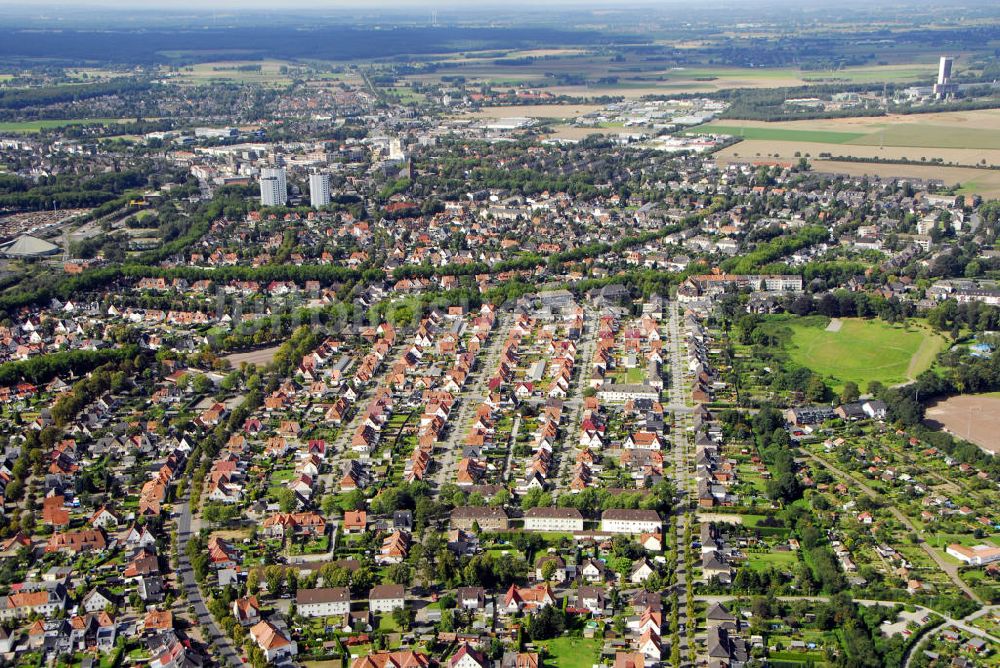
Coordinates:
(65, 191)
(331, 43)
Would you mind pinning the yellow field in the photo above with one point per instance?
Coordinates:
(791, 150)
(982, 182)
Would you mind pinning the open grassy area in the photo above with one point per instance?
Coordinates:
(861, 351)
(781, 134)
(569, 652)
(22, 127)
(779, 560)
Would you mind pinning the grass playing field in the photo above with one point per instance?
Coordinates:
(21, 127)
(861, 351)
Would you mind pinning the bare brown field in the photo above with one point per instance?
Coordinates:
(258, 357)
(976, 418)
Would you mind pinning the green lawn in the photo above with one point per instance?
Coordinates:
(862, 351)
(35, 126)
(780, 560)
(635, 376)
(781, 134)
(570, 652)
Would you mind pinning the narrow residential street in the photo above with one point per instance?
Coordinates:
(214, 637)
(682, 477)
(448, 452)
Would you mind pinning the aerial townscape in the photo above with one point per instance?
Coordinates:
(586, 334)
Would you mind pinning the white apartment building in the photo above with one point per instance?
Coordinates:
(553, 519)
(273, 187)
(319, 190)
(323, 602)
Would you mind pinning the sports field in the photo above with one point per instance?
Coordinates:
(22, 127)
(974, 417)
(861, 350)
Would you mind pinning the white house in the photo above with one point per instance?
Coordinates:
(275, 644)
(386, 598)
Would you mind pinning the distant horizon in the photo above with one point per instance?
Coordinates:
(332, 5)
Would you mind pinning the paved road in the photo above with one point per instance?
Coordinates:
(448, 452)
(951, 570)
(213, 635)
(682, 477)
(343, 441)
(573, 406)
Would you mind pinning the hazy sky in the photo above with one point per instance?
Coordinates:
(139, 5)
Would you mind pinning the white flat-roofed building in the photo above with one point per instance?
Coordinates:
(977, 555)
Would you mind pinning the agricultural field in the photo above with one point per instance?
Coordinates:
(983, 182)
(821, 155)
(860, 350)
(779, 133)
(228, 72)
(635, 77)
(959, 140)
(576, 133)
(956, 130)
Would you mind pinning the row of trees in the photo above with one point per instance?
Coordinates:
(42, 368)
